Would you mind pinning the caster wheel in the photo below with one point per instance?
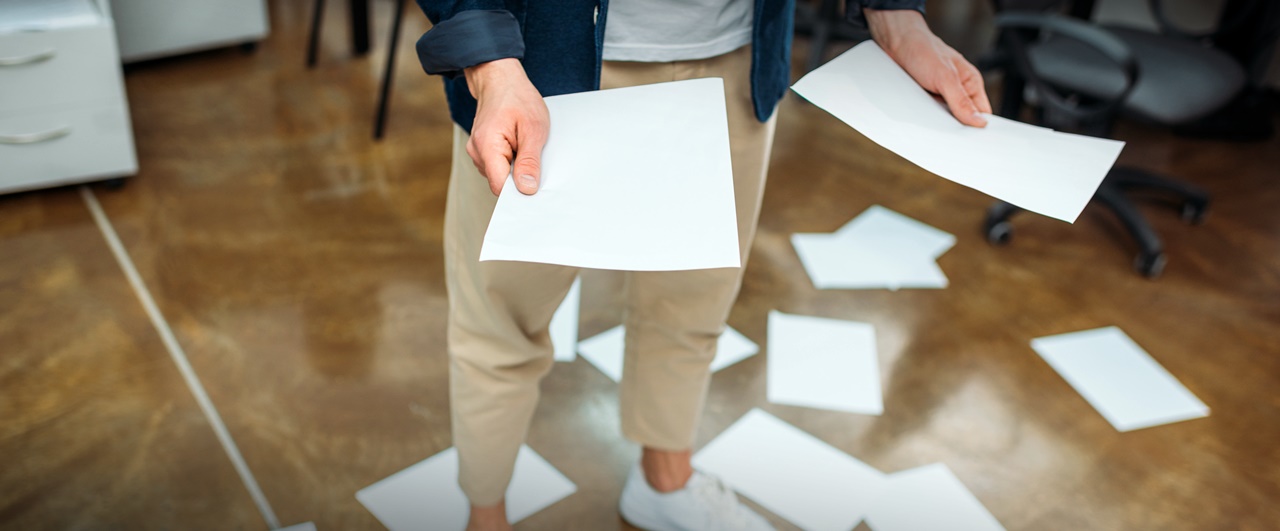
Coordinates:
(1150, 266)
(249, 47)
(113, 184)
(999, 233)
(1194, 212)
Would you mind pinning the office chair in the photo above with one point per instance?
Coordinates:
(1082, 76)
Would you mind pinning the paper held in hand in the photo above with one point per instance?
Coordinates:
(635, 179)
(1035, 168)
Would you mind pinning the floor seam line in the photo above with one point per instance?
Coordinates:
(179, 356)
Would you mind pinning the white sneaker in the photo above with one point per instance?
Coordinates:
(704, 504)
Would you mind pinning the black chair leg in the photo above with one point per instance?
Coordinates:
(380, 121)
(1150, 260)
(1194, 201)
(359, 26)
(313, 41)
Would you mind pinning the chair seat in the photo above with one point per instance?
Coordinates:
(1178, 80)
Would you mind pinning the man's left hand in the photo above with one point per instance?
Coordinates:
(937, 67)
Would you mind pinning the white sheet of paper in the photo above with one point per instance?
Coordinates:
(426, 496)
(929, 497)
(636, 179)
(606, 350)
(1043, 171)
(791, 473)
(1129, 388)
(564, 324)
(879, 248)
(886, 230)
(823, 363)
(305, 526)
(834, 262)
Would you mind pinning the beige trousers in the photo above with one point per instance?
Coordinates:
(499, 312)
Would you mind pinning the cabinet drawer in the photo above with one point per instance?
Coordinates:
(48, 148)
(59, 67)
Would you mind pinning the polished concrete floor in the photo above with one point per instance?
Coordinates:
(299, 265)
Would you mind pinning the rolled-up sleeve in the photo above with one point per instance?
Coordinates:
(468, 39)
(853, 8)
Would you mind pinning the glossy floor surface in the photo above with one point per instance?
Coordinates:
(299, 265)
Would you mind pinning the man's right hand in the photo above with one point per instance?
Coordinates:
(511, 125)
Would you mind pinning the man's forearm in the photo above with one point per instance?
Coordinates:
(493, 74)
(891, 28)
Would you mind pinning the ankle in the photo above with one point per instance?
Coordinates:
(666, 471)
(489, 518)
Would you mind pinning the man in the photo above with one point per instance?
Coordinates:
(499, 59)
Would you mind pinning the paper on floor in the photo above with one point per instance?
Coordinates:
(607, 201)
(1038, 169)
(426, 496)
(791, 473)
(883, 229)
(833, 262)
(564, 324)
(823, 363)
(1129, 388)
(606, 350)
(929, 497)
(879, 248)
(305, 526)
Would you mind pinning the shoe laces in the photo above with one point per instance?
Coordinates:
(721, 502)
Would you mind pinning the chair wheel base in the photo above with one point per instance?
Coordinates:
(1194, 212)
(999, 233)
(1150, 265)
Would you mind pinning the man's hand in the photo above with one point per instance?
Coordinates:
(937, 67)
(511, 125)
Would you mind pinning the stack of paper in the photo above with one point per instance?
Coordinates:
(606, 350)
(1129, 388)
(878, 249)
(818, 487)
(426, 495)
(1038, 169)
(823, 363)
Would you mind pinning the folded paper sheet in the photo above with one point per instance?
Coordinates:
(791, 473)
(823, 363)
(636, 179)
(426, 495)
(1038, 169)
(878, 249)
(606, 350)
(1129, 388)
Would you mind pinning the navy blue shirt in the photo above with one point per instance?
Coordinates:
(560, 43)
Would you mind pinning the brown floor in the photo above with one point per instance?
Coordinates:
(299, 264)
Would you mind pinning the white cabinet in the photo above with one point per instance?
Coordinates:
(156, 28)
(63, 113)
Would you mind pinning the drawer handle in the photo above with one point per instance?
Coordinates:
(33, 138)
(28, 59)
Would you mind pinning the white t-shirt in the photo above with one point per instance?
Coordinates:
(660, 31)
